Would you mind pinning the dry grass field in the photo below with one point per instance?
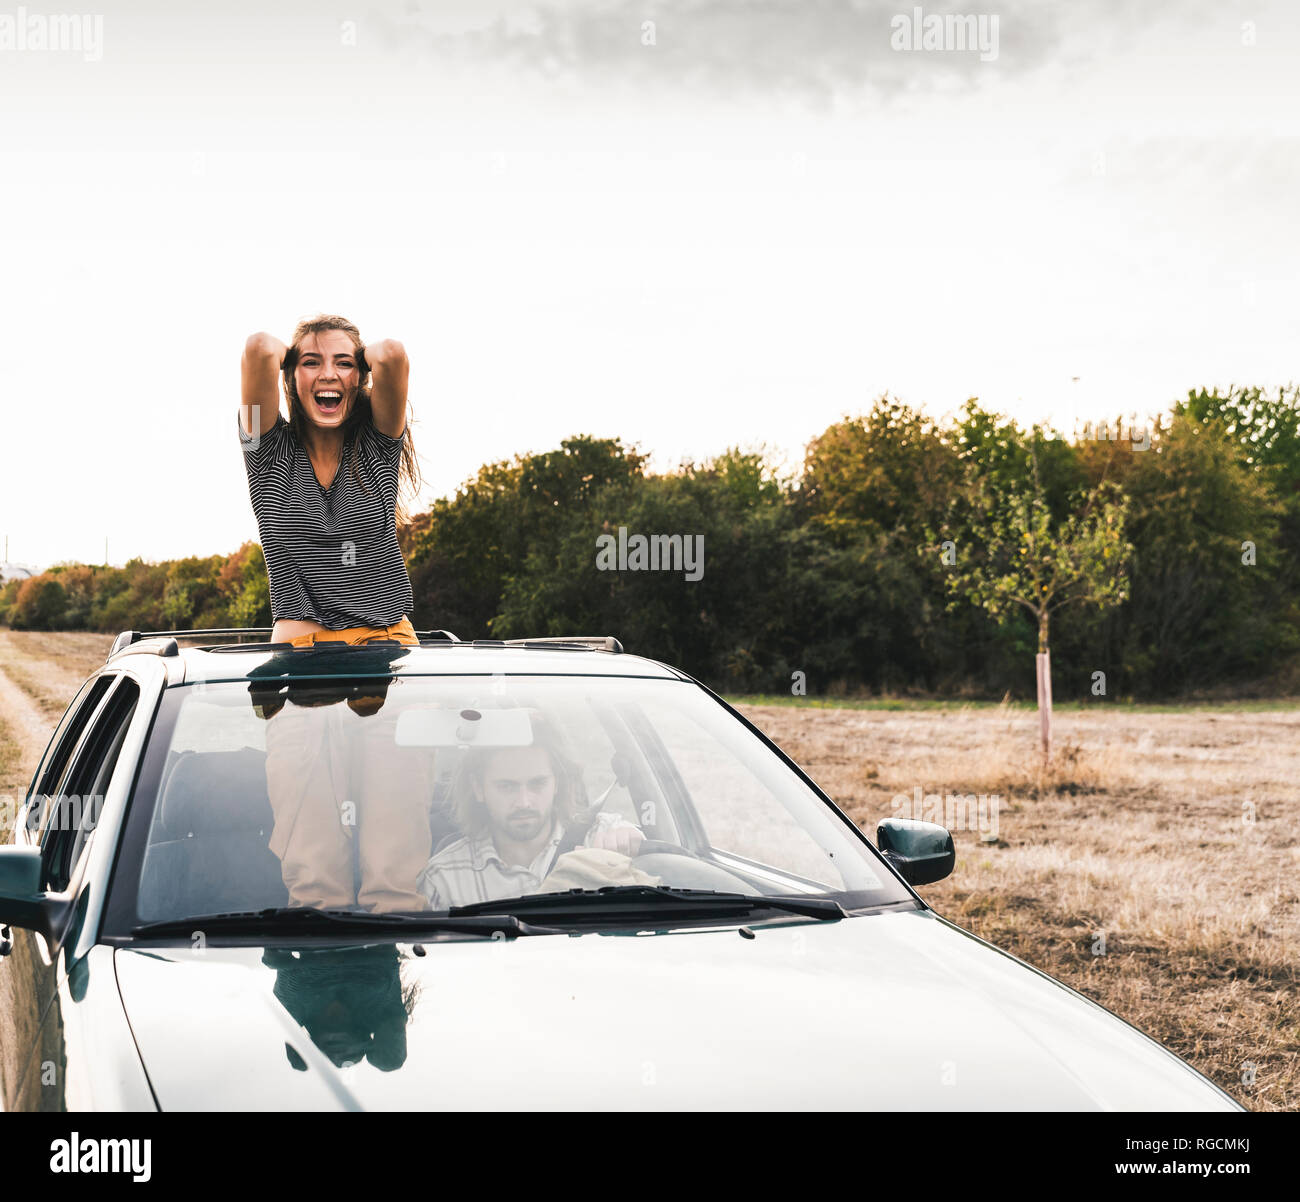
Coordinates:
(1154, 868)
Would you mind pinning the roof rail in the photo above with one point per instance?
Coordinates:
(151, 644)
(596, 642)
(128, 638)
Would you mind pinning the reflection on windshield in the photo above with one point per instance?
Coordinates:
(522, 813)
(319, 782)
(415, 793)
(350, 1001)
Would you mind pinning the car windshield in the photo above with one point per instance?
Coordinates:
(423, 794)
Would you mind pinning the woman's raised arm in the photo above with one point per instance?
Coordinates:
(389, 372)
(260, 376)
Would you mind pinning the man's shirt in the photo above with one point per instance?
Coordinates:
(472, 870)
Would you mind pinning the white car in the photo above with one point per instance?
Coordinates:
(698, 927)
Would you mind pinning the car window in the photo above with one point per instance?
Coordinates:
(59, 751)
(78, 800)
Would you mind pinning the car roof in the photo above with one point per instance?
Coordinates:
(234, 662)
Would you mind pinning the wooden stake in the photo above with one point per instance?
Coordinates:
(1044, 662)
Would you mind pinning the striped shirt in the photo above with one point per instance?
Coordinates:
(472, 870)
(331, 553)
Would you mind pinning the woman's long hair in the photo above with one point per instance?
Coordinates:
(360, 414)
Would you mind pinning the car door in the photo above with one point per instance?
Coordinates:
(82, 749)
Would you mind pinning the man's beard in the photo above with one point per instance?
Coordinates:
(525, 825)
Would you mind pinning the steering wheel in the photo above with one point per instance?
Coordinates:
(683, 869)
(661, 847)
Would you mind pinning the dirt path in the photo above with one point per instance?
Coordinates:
(35, 688)
(50, 669)
(40, 673)
(26, 728)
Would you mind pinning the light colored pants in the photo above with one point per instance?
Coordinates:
(335, 774)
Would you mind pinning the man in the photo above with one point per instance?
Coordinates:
(513, 804)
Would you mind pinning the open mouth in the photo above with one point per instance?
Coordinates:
(328, 401)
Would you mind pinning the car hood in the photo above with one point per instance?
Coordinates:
(881, 1011)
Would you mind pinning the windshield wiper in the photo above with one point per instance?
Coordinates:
(277, 920)
(641, 902)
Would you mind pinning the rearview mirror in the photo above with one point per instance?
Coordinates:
(22, 902)
(921, 851)
(464, 728)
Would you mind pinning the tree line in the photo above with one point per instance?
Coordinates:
(869, 570)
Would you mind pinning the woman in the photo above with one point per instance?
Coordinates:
(325, 489)
(328, 529)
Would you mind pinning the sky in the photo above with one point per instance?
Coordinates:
(690, 225)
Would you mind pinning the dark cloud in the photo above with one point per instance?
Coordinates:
(815, 51)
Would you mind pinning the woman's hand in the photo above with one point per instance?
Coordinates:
(383, 353)
(260, 377)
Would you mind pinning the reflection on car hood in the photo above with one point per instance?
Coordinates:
(884, 1011)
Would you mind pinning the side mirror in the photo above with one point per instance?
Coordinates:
(921, 851)
(22, 902)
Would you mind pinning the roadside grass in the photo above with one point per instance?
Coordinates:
(12, 779)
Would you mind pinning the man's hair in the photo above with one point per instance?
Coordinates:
(360, 414)
(570, 793)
